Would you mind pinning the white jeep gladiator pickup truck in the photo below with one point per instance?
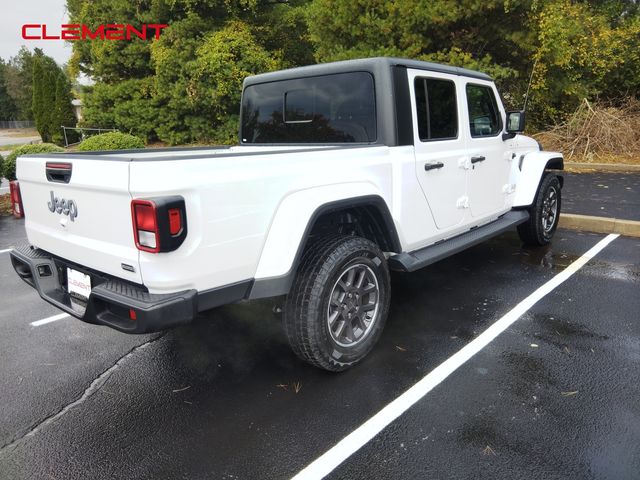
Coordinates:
(343, 172)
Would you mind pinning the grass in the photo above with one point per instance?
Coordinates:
(619, 159)
(18, 132)
(5, 205)
(11, 146)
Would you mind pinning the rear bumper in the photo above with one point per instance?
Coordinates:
(111, 299)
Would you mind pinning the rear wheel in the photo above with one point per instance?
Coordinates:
(339, 302)
(544, 213)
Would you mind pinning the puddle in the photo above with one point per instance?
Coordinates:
(547, 258)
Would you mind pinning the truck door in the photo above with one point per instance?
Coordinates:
(439, 145)
(489, 171)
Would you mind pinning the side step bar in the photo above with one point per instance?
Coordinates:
(412, 261)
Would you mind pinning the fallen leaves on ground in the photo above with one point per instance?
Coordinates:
(182, 389)
(488, 451)
(297, 386)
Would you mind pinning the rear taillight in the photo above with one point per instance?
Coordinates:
(16, 199)
(159, 224)
(145, 225)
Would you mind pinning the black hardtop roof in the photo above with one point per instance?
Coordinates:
(366, 64)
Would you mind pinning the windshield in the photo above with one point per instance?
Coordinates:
(338, 108)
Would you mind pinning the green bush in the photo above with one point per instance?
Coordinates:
(110, 141)
(10, 162)
(1, 166)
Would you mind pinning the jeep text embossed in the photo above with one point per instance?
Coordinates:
(62, 206)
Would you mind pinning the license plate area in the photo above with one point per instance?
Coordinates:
(79, 289)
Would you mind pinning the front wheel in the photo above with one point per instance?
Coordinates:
(339, 302)
(544, 213)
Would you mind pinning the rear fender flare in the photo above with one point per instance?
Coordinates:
(293, 222)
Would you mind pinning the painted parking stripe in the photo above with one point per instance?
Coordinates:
(350, 444)
(6, 250)
(44, 321)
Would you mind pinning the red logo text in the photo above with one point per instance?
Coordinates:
(76, 31)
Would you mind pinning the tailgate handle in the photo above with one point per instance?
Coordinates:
(58, 172)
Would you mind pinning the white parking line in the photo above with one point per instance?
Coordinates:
(350, 444)
(44, 321)
(6, 250)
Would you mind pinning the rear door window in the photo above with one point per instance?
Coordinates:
(338, 108)
(437, 109)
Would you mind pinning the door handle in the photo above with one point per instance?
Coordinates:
(433, 166)
(477, 159)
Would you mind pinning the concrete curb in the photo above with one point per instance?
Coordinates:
(601, 167)
(630, 228)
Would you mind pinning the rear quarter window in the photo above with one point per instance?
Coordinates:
(338, 108)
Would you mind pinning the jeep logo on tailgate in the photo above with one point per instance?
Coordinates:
(65, 207)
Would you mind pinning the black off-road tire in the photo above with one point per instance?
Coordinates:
(536, 231)
(325, 266)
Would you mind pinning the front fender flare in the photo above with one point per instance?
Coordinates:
(531, 168)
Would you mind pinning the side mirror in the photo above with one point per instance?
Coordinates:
(515, 122)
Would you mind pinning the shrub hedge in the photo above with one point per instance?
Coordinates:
(110, 141)
(9, 164)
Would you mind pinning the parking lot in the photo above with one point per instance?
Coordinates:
(554, 395)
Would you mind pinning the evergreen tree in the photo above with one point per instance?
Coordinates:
(185, 86)
(18, 76)
(63, 114)
(37, 105)
(8, 110)
(45, 76)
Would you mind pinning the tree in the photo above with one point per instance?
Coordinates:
(51, 103)
(172, 93)
(8, 109)
(575, 49)
(19, 75)
(184, 86)
(63, 114)
(129, 105)
(38, 106)
(205, 98)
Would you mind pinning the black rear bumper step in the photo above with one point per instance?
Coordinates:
(412, 261)
(111, 299)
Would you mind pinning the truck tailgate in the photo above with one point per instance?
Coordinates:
(91, 225)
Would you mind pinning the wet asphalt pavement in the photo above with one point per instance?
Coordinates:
(554, 396)
(600, 194)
